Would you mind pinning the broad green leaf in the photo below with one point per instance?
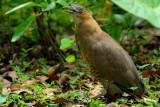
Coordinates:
(2, 98)
(65, 43)
(23, 27)
(70, 58)
(62, 2)
(47, 7)
(116, 32)
(120, 18)
(146, 9)
(29, 4)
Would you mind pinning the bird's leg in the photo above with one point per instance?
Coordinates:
(101, 94)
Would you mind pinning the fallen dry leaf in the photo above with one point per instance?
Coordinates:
(52, 90)
(29, 82)
(12, 74)
(71, 66)
(49, 93)
(147, 99)
(124, 105)
(61, 100)
(6, 83)
(15, 87)
(42, 78)
(148, 74)
(96, 91)
(51, 70)
(40, 105)
(65, 77)
(110, 105)
(4, 68)
(52, 76)
(22, 90)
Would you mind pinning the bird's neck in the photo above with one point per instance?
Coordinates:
(88, 26)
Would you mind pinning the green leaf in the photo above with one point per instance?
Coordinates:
(23, 27)
(120, 18)
(133, 88)
(70, 58)
(133, 50)
(146, 9)
(116, 32)
(47, 7)
(29, 4)
(143, 66)
(62, 2)
(143, 39)
(65, 43)
(72, 81)
(2, 98)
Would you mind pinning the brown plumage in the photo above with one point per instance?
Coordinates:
(108, 61)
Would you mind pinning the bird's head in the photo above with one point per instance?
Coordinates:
(79, 13)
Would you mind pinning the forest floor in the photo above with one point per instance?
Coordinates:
(26, 80)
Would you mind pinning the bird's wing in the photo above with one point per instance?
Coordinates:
(114, 64)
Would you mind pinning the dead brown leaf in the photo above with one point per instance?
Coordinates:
(6, 83)
(42, 78)
(96, 91)
(65, 77)
(151, 100)
(15, 87)
(29, 82)
(110, 105)
(49, 92)
(4, 68)
(22, 90)
(40, 105)
(61, 100)
(52, 90)
(51, 70)
(148, 74)
(52, 76)
(12, 74)
(71, 66)
(124, 105)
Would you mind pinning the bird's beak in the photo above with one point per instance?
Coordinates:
(72, 9)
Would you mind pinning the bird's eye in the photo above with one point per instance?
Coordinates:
(81, 10)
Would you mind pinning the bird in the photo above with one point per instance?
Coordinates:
(109, 63)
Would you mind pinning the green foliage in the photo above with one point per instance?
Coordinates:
(97, 103)
(2, 98)
(66, 43)
(70, 58)
(62, 2)
(116, 32)
(23, 27)
(147, 9)
(133, 88)
(143, 66)
(29, 4)
(47, 7)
